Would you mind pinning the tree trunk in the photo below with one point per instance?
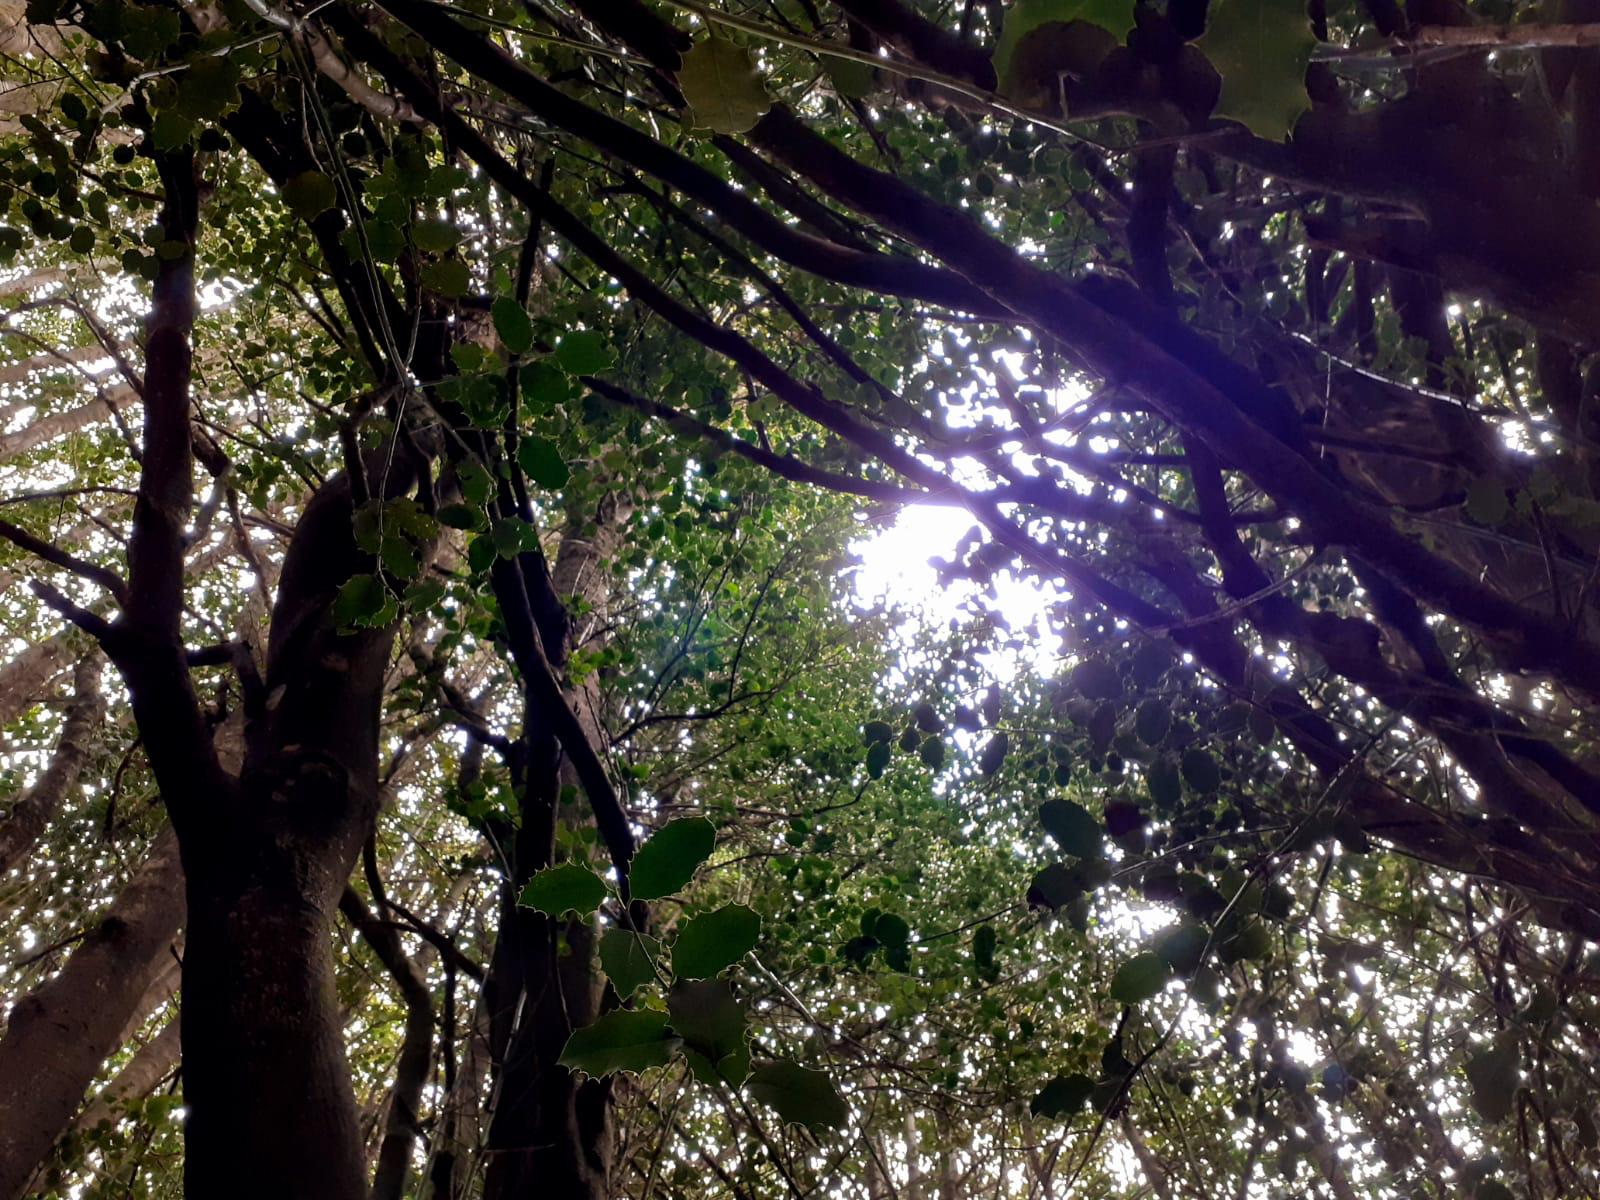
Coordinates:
(271, 1112)
(59, 1036)
(150, 1064)
(266, 1082)
(32, 814)
(23, 679)
(549, 1130)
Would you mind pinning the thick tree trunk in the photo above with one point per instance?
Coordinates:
(271, 1112)
(266, 1081)
(59, 1036)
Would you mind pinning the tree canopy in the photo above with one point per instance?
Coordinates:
(451, 749)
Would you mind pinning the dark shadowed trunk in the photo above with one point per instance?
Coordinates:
(550, 1129)
(266, 1079)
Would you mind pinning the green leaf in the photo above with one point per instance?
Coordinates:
(712, 1024)
(1495, 1073)
(1182, 947)
(584, 352)
(172, 129)
(1164, 782)
(542, 463)
(1200, 770)
(208, 87)
(799, 1095)
(1138, 979)
(1261, 48)
(511, 322)
(714, 940)
(1062, 1096)
(622, 1040)
(628, 958)
(513, 536)
(1152, 722)
(719, 81)
(1487, 503)
(670, 858)
(878, 759)
(462, 516)
(994, 754)
(435, 235)
(1032, 26)
(360, 601)
(1057, 886)
(544, 385)
(1097, 679)
(892, 929)
(984, 942)
(1072, 826)
(851, 80)
(448, 277)
(570, 887)
(309, 194)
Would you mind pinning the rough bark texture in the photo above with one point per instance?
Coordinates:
(261, 1027)
(59, 1036)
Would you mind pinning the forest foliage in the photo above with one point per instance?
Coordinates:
(451, 746)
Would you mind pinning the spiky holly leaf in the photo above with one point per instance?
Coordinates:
(1261, 49)
(622, 1040)
(800, 1095)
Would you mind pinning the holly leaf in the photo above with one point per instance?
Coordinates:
(714, 940)
(669, 859)
(712, 1025)
(1261, 48)
(623, 1040)
(724, 91)
(570, 887)
(628, 959)
(799, 1095)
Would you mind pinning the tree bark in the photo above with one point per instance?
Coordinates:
(549, 1129)
(25, 676)
(150, 1064)
(32, 814)
(59, 1036)
(404, 1123)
